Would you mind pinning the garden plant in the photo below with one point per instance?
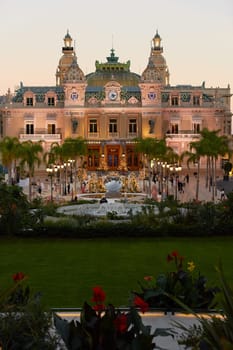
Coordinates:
(184, 282)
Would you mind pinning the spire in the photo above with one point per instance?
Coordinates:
(112, 58)
(156, 42)
(67, 43)
(156, 69)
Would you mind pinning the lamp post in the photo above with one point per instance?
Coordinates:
(51, 171)
(65, 166)
(177, 169)
(71, 162)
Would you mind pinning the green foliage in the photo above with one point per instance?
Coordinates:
(112, 215)
(105, 328)
(186, 284)
(216, 331)
(227, 167)
(24, 322)
(14, 209)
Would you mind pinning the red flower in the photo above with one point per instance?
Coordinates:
(99, 307)
(148, 278)
(98, 295)
(175, 254)
(139, 302)
(121, 323)
(19, 276)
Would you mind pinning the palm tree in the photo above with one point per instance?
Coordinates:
(73, 149)
(213, 146)
(9, 149)
(30, 154)
(54, 158)
(194, 157)
(151, 148)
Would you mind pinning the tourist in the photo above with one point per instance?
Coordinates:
(222, 194)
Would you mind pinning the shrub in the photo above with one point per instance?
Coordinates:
(185, 283)
(104, 327)
(24, 322)
(216, 331)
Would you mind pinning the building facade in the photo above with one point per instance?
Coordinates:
(112, 106)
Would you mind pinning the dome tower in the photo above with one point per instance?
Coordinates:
(156, 70)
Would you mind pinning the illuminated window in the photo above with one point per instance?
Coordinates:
(93, 157)
(132, 158)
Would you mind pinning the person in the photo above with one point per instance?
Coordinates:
(159, 197)
(104, 200)
(222, 194)
(39, 189)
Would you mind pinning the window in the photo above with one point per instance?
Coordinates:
(29, 128)
(93, 126)
(196, 128)
(51, 101)
(132, 158)
(196, 100)
(132, 126)
(93, 158)
(174, 128)
(51, 129)
(29, 101)
(175, 101)
(112, 126)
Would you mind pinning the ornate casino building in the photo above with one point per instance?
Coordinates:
(112, 106)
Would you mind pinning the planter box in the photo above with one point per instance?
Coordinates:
(155, 320)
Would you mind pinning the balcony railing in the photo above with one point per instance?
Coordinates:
(40, 134)
(183, 134)
(93, 135)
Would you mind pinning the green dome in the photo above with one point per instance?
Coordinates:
(112, 70)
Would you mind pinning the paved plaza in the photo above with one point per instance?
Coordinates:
(187, 194)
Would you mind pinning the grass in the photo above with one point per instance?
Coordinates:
(66, 270)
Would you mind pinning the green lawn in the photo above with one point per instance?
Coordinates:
(66, 270)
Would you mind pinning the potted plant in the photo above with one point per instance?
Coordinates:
(216, 331)
(24, 322)
(105, 327)
(183, 282)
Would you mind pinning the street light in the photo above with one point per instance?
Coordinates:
(51, 171)
(71, 162)
(65, 165)
(177, 169)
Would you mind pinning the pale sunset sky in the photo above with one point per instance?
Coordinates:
(197, 38)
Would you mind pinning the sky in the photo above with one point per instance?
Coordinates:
(197, 38)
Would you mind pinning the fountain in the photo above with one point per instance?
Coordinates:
(113, 188)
